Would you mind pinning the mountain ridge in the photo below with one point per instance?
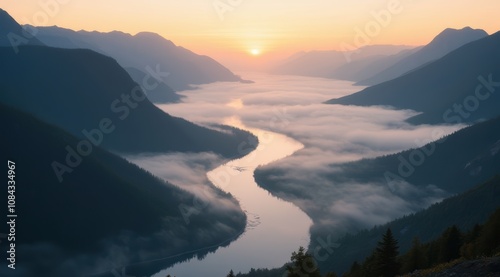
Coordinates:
(105, 203)
(476, 160)
(467, 74)
(97, 83)
(144, 49)
(324, 63)
(13, 35)
(445, 42)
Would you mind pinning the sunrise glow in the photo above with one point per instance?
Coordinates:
(209, 138)
(282, 27)
(255, 52)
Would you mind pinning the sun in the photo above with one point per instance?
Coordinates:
(255, 52)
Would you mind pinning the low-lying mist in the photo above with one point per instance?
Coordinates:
(332, 134)
(188, 172)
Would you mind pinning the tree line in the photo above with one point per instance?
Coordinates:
(386, 261)
(453, 244)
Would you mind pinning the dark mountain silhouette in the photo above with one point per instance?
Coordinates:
(324, 63)
(13, 35)
(460, 87)
(156, 90)
(447, 41)
(464, 210)
(78, 89)
(476, 157)
(375, 64)
(105, 203)
(141, 51)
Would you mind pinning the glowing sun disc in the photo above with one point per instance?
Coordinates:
(255, 52)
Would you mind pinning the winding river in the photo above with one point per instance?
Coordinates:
(275, 228)
(292, 105)
(267, 108)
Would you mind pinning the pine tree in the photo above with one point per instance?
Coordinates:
(451, 241)
(370, 266)
(231, 274)
(415, 258)
(386, 256)
(432, 253)
(355, 270)
(469, 247)
(303, 264)
(489, 240)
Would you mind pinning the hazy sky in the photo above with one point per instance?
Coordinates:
(271, 27)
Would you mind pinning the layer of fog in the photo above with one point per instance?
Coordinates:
(331, 134)
(188, 171)
(206, 221)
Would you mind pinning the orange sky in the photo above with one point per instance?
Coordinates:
(276, 28)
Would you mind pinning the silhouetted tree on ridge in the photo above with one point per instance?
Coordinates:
(386, 256)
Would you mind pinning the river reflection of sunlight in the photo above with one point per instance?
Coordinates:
(274, 227)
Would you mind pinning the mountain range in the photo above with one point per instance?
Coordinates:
(142, 51)
(13, 35)
(326, 63)
(78, 89)
(374, 64)
(444, 43)
(462, 167)
(104, 203)
(458, 88)
(360, 69)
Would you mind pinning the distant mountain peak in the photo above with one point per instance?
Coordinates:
(439, 84)
(445, 42)
(12, 34)
(452, 35)
(466, 28)
(114, 32)
(143, 50)
(6, 21)
(150, 35)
